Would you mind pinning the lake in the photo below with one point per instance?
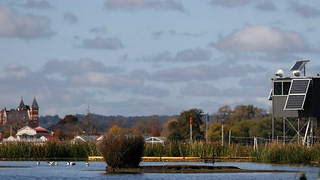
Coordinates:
(28, 170)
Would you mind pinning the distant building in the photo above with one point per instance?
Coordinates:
(85, 138)
(24, 114)
(155, 140)
(28, 134)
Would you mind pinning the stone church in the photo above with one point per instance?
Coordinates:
(23, 115)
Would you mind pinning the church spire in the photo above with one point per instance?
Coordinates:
(35, 104)
(22, 106)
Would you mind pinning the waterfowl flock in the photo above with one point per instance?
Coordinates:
(55, 163)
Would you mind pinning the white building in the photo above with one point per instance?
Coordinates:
(28, 134)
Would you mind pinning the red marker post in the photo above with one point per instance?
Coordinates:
(190, 123)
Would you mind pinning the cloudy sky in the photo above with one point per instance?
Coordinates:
(146, 57)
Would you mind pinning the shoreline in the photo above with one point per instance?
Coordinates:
(187, 169)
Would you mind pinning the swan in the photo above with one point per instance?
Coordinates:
(52, 163)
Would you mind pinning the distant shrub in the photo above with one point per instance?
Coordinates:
(122, 150)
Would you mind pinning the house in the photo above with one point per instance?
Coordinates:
(29, 134)
(155, 140)
(10, 139)
(84, 138)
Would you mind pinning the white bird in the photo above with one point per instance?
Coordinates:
(38, 163)
(87, 164)
(53, 163)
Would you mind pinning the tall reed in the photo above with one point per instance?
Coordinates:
(288, 153)
(197, 149)
(47, 150)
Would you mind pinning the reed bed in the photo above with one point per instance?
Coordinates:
(197, 149)
(288, 153)
(47, 150)
(270, 153)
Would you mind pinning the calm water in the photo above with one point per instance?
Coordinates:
(29, 170)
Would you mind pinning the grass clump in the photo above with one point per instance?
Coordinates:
(122, 150)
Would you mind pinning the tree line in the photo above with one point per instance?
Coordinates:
(241, 121)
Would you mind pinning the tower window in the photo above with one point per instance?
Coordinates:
(281, 88)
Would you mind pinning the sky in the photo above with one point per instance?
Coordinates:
(151, 57)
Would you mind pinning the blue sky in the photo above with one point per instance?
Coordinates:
(146, 57)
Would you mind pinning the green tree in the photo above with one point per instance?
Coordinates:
(245, 112)
(180, 129)
(223, 112)
(242, 128)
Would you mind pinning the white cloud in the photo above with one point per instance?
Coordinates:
(102, 43)
(26, 27)
(135, 5)
(262, 39)
(186, 55)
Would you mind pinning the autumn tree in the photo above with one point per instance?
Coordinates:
(59, 134)
(180, 129)
(148, 126)
(215, 131)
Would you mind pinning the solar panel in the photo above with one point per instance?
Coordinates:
(299, 86)
(297, 94)
(299, 65)
(295, 102)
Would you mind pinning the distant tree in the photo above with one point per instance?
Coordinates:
(242, 128)
(16, 123)
(181, 127)
(89, 124)
(69, 119)
(115, 130)
(48, 119)
(245, 112)
(166, 132)
(148, 126)
(59, 134)
(223, 112)
(6, 133)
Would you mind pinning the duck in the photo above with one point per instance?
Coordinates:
(38, 163)
(70, 163)
(87, 164)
